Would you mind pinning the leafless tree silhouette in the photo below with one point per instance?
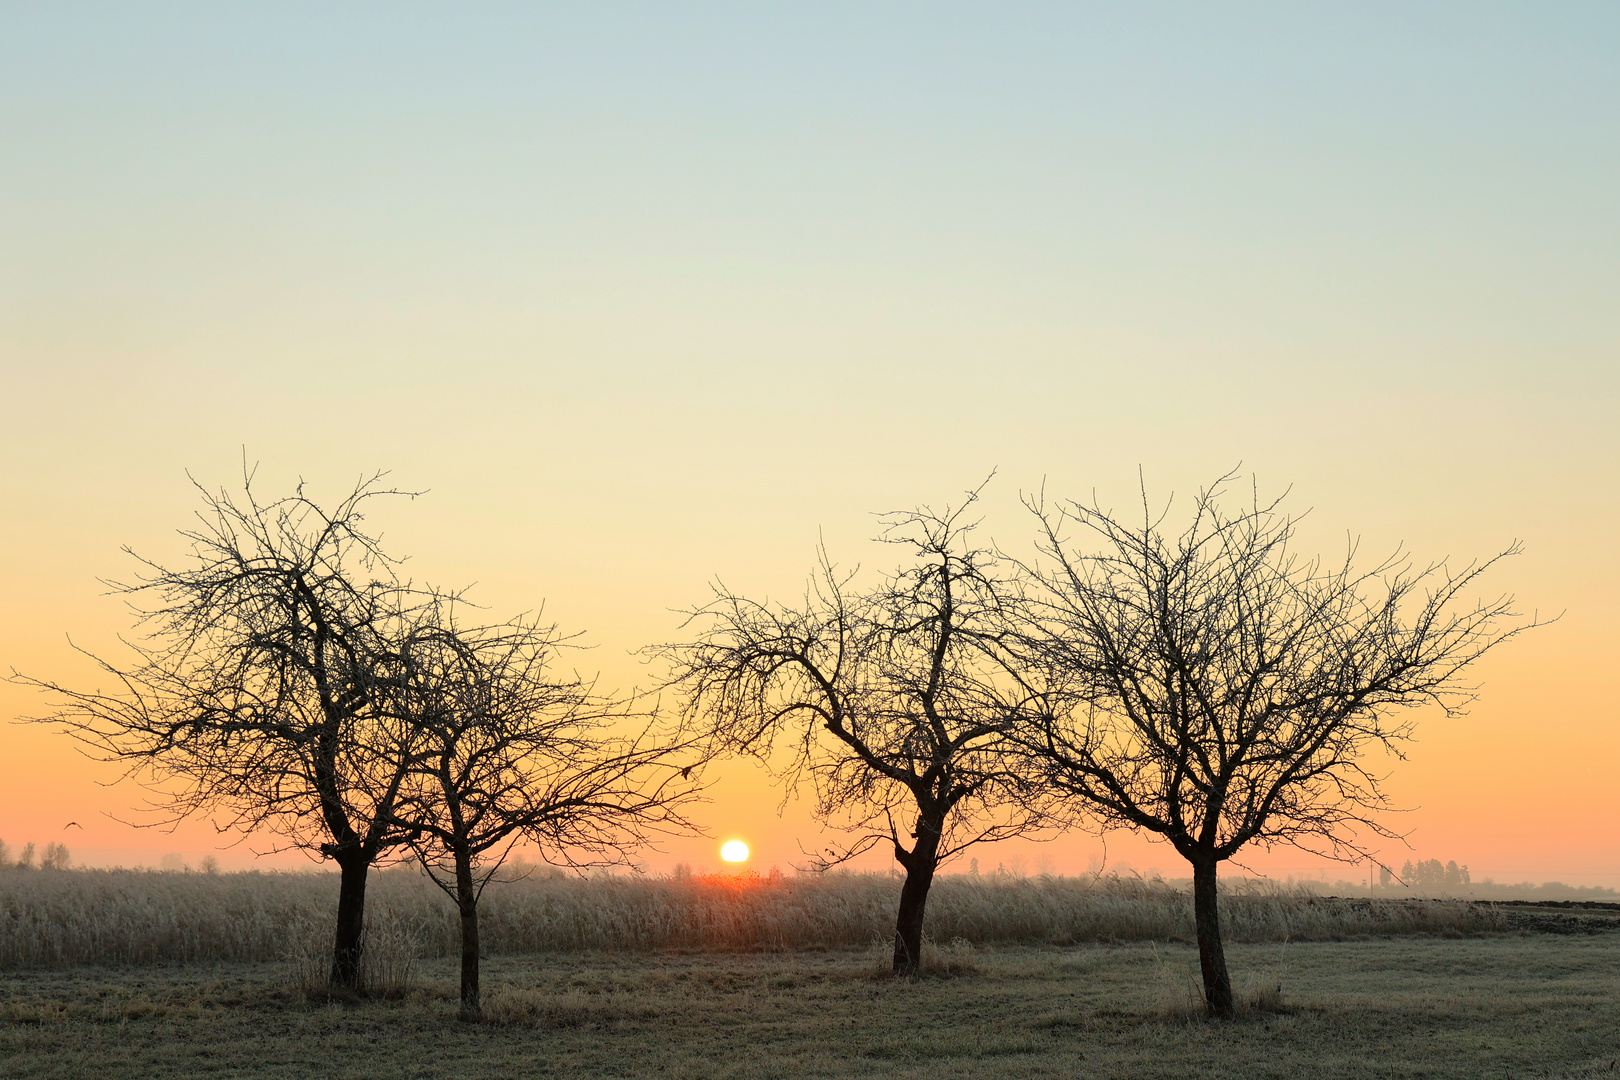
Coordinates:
(252, 696)
(897, 700)
(508, 751)
(1229, 691)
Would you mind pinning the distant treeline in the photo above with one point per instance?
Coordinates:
(1428, 874)
(1551, 890)
(1431, 877)
(54, 857)
(1424, 878)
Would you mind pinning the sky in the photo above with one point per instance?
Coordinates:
(640, 295)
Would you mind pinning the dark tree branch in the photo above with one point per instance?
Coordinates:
(1215, 689)
(505, 751)
(896, 699)
(251, 694)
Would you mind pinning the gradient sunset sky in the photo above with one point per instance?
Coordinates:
(642, 294)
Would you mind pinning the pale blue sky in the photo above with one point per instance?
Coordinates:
(647, 293)
(1360, 175)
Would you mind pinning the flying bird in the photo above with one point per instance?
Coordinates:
(72, 825)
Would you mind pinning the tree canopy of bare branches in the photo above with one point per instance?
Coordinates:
(252, 695)
(896, 700)
(1222, 691)
(508, 750)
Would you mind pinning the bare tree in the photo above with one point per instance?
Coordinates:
(507, 751)
(896, 700)
(252, 694)
(1229, 692)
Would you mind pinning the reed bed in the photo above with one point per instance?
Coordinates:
(119, 917)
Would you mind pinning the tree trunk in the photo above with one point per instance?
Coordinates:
(472, 1007)
(349, 947)
(1211, 956)
(920, 863)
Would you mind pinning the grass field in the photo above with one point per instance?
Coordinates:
(1500, 1006)
(114, 974)
(111, 917)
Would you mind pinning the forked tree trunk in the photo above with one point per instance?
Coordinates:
(472, 1007)
(1211, 956)
(920, 863)
(348, 949)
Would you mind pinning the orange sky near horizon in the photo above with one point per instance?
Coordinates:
(1516, 789)
(643, 301)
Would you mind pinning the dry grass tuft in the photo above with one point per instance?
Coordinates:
(1180, 992)
(393, 945)
(1265, 999)
(946, 961)
(938, 961)
(1184, 1004)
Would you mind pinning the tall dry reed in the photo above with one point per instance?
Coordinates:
(58, 918)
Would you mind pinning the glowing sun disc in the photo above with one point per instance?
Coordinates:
(734, 851)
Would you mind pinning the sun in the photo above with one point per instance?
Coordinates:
(734, 851)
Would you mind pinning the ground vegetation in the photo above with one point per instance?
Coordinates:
(1536, 1007)
(136, 917)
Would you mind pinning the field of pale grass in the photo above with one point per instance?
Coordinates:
(62, 918)
(1525, 1007)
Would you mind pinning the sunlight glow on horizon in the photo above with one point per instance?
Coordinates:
(734, 851)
